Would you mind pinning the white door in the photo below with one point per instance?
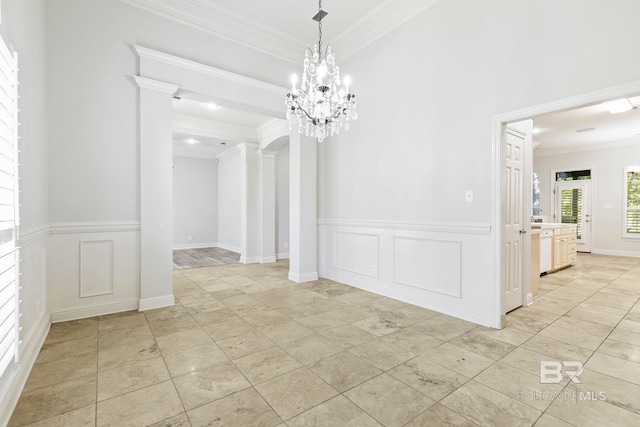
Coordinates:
(573, 206)
(516, 189)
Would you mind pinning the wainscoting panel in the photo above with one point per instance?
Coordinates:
(443, 267)
(96, 268)
(429, 264)
(356, 253)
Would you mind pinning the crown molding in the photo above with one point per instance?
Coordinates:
(377, 23)
(212, 129)
(588, 147)
(144, 52)
(205, 16)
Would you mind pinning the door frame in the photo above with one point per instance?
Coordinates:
(499, 121)
(552, 184)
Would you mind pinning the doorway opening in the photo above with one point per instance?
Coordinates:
(575, 194)
(572, 204)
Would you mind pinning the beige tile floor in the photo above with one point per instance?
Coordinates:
(244, 347)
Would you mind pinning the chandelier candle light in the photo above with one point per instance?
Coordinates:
(321, 107)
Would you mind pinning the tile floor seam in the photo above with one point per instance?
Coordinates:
(608, 335)
(184, 409)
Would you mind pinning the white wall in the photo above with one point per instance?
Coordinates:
(607, 168)
(23, 27)
(93, 125)
(195, 202)
(427, 93)
(282, 202)
(229, 193)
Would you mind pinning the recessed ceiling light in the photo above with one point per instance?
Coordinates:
(191, 141)
(635, 101)
(618, 105)
(210, 106)
(537, 130)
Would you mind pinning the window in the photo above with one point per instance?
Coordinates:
(573, 175)
(9, 302)
(632, 201)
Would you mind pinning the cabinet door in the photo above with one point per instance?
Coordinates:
(564, 251)
(557, 252)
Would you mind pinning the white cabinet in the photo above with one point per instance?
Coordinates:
(564, 246)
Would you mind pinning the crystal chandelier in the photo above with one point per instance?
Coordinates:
(321, 107)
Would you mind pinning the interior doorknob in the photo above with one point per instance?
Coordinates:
(523, 231)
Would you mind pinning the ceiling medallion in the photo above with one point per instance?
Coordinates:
(321, 107)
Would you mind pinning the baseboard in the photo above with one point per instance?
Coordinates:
(301, 278)
(397, 293)
(250, 260)
(631, 254)
(229, 247)
(35, 340)
(267, 259)
(284, 255)
(158, 302)
(92, 310)
(195, 246)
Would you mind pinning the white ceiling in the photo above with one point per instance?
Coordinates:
(201, 110)
(559, 131)
(284, 28)
(215, 130)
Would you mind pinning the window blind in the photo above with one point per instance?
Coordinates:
(633, 201)
(571, 208)
(9, 274)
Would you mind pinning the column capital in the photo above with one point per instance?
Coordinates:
(157, 85)
(268, 154)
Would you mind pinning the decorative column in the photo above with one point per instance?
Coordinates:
(302, 204)
(156, 193)
(267, 206)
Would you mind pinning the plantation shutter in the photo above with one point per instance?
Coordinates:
(633, 202)
(571, 207)
(9, 290)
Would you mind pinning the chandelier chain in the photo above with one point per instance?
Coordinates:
(320, 28)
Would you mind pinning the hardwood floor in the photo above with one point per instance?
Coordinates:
(205, 257)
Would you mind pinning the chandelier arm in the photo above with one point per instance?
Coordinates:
(305, 112)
